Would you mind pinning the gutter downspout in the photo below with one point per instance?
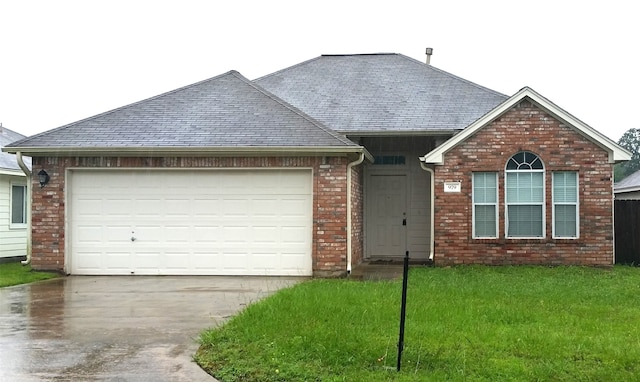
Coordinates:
(349, 167)
(433, 199)
(26, 171)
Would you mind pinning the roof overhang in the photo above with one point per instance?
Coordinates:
(12, 172)
(402, 133)
(243, 151)
(616, 152)
(626, 189)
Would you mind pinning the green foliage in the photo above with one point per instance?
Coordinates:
(463, 323)
(16, 273)
(630, 140)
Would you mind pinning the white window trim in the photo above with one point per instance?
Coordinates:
(542, 204)
(474, 204)
(577, 204)
(13, 225)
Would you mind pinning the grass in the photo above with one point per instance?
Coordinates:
(463, 324)
(16, 273)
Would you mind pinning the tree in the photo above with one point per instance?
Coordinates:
(630, 140)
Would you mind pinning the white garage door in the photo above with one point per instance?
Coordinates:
(190, 222)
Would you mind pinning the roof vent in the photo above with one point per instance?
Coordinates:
(429, 53)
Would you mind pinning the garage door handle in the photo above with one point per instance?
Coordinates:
(133, 238)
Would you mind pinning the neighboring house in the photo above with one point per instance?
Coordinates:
(627, 219)
(13, 201)
(317, 167)
(628, 188)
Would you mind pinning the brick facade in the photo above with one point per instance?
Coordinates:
(357, 215)
(329, 202)
(525, 128)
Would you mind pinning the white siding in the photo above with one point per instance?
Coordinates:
(13, 241)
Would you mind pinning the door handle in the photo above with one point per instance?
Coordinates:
(133, 238)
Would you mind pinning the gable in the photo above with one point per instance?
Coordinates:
(614, 151)
(526, 127)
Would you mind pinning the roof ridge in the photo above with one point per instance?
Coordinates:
(27, 139)
(360, 54)
(386, 54)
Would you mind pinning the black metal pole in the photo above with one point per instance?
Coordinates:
(403, 307)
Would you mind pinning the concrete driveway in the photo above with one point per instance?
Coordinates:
(117, 328)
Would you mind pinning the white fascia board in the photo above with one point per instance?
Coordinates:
(616, 153)
(626, 189)
(6, 171)
(187, 151)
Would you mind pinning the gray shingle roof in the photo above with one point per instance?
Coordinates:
(223, 111)
(630, 183)
(381, 93)
(8, 161)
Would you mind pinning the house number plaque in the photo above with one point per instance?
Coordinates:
(452, 187)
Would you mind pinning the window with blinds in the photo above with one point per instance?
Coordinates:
(525, 197)
(565, 204)
(485, 205)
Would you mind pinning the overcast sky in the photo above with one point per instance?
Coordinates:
(62, 61)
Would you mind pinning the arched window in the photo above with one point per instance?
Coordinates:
(524, 183)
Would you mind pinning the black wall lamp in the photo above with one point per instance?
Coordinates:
(43, 177)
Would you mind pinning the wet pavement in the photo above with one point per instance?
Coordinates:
(117, 328)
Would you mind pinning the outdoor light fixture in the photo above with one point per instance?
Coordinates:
(43, 177)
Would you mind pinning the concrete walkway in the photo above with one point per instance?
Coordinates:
(115, 328)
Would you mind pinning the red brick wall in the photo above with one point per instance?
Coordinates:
(525, 128)
(329, 204)
(357, 214)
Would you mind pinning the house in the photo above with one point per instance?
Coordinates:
(507, 180)
(628, 188)
(314, 168)
(13, 201)
(627, 219)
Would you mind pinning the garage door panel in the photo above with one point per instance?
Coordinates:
(148, 207)
(291, 207)
(92, 207)
(178, 234)
(191, 222)
(235, 207)
(265, 207)
(206, 234)
(292, 235)
(205, 209)
(266, 235)
(177, 260)
(114, 233)
(91, 235)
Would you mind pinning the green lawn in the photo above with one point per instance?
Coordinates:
(16, 273)
(463, 324)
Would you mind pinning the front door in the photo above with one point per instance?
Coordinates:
(386, 211)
